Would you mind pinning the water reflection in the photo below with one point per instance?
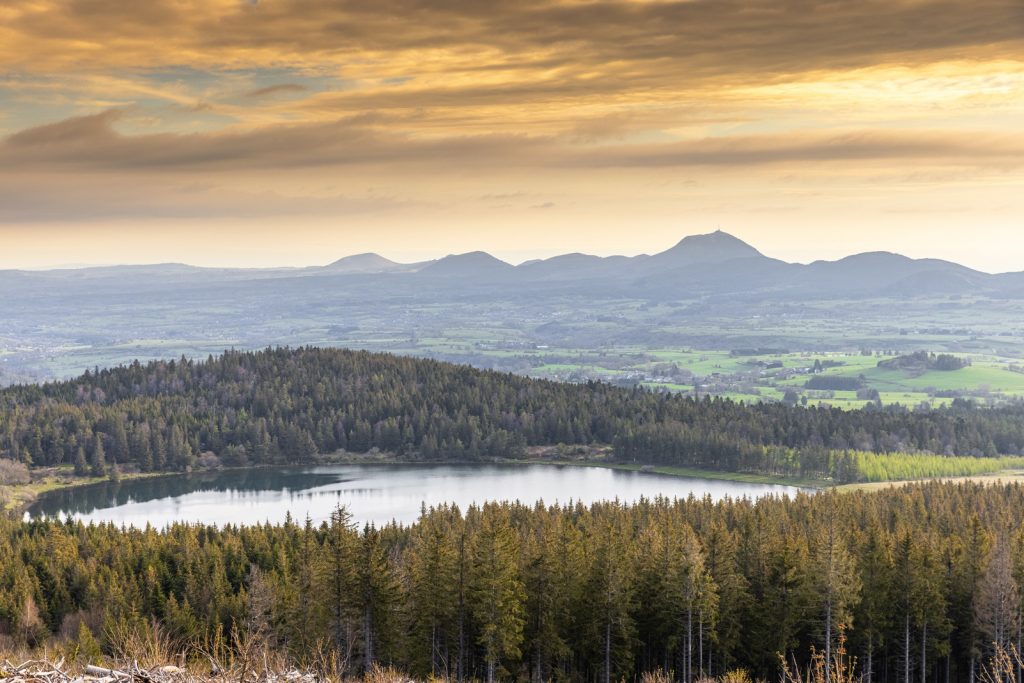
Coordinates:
(373, 493)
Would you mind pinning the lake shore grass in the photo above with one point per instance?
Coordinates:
(16, 499)
(990, 478)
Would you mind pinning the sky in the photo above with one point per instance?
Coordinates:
(295, 132)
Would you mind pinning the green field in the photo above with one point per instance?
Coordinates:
(747, 378)
(682, 345)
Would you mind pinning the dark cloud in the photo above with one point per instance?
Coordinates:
(964, 148)
(687, 38)
(65, 135)
(91, 142)
(273, 90)
(102, 198)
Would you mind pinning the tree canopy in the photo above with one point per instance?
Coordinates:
(287, 405)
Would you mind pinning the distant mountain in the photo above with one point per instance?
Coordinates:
(883, 271)
(715, 247)
(713, 264)
(67, 318)
(101, 272)
(758, 274)
(366, 263)
(474, 264)
(575, 266)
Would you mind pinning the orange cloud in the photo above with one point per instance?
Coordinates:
(603, 111)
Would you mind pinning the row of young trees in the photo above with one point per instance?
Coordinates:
(287, 405)
(922, 582)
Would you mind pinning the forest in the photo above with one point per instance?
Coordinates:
(919, 583)
(288, 405)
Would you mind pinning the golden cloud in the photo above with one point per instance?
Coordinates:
(597, 107)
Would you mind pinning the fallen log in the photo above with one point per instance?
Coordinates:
(100, 672)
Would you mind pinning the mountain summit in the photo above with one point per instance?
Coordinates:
(714, 247)
(363, 263)
(472, 264)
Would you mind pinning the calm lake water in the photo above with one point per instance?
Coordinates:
(372, 493)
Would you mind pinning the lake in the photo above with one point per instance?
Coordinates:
(372, 493)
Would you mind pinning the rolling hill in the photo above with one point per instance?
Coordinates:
(714, 263)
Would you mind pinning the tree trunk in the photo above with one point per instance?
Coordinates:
(92, 670)
(462, 608)
(700, 640)
(868, 672)
(828, 639)
(433, 649)
(924, 652)
(608, 652)
(1020, 673)
(688, 666)
(906, 649)
(368, 638)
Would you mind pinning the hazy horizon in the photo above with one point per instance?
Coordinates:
(246, 133)
(513, 258)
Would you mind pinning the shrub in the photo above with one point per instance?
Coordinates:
(12, 473)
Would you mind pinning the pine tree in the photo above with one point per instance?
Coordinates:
(496, 592)
(377, 597)
(87, 650)
(433, 590)
(339, 584)
(997, 609)
(838, 585)
(99, 458)
(873, 613)
(733, 592)
(552, 563)
(612, 592)
(928, 601)
(81, 464)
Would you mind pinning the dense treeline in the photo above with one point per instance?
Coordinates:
(903, 466)
(922, 361)
(923, 581)
(286, 405)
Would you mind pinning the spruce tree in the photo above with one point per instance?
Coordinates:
(99, 458)
(496, 592)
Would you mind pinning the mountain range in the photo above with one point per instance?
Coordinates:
(716, 264)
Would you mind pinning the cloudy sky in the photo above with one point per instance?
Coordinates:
(291, 132)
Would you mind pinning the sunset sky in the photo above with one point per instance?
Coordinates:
(294, 132)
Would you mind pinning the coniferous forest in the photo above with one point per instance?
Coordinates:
(513, 394)
(918, 583)
(287, 405)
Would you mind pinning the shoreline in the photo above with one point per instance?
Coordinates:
(990, 478)
(22, 496)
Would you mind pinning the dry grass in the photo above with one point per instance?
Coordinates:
(656, 677)
(992, 479)
(1002, 667)
(840, 669)
(45, 671)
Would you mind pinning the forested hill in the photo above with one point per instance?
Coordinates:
(926, 581)
(286, 405)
